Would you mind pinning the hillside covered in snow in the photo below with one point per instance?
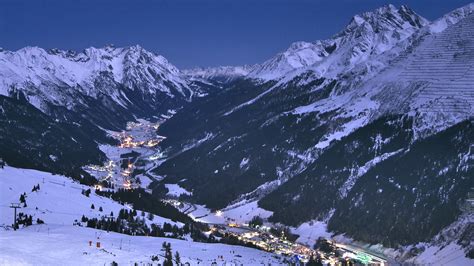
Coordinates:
(59, 204)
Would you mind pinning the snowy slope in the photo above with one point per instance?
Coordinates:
(367, 34)
(175, 190)
(445, 65)
(241, 213)
(451, 254)
(427, 74)
(36, 66)
(451, 18)
(221, 73)
(58, 202)
(120, 80)
(68, 245)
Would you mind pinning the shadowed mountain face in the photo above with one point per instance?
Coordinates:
(380, 187)
(31, 139)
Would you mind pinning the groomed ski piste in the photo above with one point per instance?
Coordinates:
(446, 64)
(59, 202)
(68, 245)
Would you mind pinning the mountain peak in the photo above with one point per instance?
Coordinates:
(133, 67)
(136, 48)
(387, 17)
(110, 46)
(367, 34)
(451, 18)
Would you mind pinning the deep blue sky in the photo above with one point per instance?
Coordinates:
(188, 32)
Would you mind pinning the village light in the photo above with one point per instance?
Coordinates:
(127, 185)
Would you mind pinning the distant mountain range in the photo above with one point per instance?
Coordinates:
(85, 93)
(130, 80)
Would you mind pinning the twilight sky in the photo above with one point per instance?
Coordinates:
(189, 32)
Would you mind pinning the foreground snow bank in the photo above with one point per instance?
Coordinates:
(69, 245)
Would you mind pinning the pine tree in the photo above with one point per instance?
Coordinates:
(22, 198)
(150, 216)
(168, 255)
(256, 221)
(314, 262)
(86, 192)
(100, 208)
(122, 214)
(177, 258)
(92, 206)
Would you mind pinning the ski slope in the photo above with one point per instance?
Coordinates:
(69, 245)
(446, 63)
(59, 202)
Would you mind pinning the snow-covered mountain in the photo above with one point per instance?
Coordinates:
(133, 67)
(131, 79)
(367, 34)
(389, 88)
(73, 97)
(222, 73)
(451, 18)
